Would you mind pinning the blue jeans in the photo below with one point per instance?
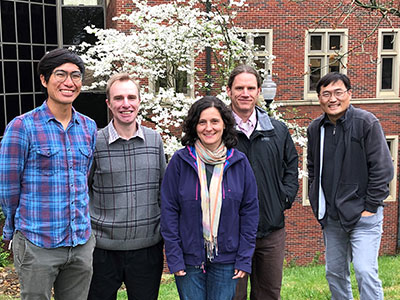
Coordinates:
(360, 245)
(213, 283)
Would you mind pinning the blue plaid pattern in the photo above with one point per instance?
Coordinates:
(43, 178)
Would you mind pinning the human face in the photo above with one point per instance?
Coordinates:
(244, 94)
(334, 106)
(64, 92)
(124, 102)
(210, 128)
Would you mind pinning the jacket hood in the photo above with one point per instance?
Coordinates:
(263, 120)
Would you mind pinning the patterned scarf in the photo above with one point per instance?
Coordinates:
(211, 199)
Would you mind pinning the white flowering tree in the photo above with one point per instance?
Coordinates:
(164, 41)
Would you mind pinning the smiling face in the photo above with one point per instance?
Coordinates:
(124, 103)
(62, 93)
(335, 107)
(210, 128)
(244, 94)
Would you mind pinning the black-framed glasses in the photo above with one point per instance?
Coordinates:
(339, 94)
(61, 76)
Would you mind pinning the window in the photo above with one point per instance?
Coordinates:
(388, 60)
(262, 40)
(179, 80)
(393, 144)
(28, 29)
(322, 50)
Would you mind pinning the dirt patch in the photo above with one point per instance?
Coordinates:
(9, 284)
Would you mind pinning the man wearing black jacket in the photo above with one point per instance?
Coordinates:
(269, 148)
(349, 168)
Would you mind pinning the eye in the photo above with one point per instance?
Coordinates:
(201, 122)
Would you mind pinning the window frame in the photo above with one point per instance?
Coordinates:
(388, 53)
(323, 54)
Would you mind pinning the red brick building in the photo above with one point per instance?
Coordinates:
(305, 37)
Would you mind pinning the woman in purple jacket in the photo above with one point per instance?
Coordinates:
(209, 206)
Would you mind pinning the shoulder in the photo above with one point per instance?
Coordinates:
(149, 132)
(363, 115)
(87, 121)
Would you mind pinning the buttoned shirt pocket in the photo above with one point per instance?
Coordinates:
(83, 159)
(48, 161)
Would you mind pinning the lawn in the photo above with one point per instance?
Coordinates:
(309, 283)
(304, 283)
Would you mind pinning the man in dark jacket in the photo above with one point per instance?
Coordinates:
(349, 168)
(269, 148)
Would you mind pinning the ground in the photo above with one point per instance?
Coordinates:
(9, 284)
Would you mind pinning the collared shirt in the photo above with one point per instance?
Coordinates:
(246, 127)
(113, 134)
(43, 175)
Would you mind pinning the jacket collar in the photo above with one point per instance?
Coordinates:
(263, 120)
(348, 116)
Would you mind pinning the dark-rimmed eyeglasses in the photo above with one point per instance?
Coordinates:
(61, 76)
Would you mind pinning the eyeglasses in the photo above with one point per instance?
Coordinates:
(61, 76)
(339, 94)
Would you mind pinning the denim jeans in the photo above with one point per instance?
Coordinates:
(361, 246)
(213, 283)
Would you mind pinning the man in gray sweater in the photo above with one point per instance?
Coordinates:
(124, 184)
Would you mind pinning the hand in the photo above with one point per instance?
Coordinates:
(180, 273)
(7, 244)
(366, 213)
(239, 274)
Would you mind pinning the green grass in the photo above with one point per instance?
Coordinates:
(304, 283)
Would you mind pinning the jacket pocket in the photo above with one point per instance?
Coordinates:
(348, 202)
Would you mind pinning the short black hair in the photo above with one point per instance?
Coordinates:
(58, 57)
(229, 136)
(332, 78)
(244, 69)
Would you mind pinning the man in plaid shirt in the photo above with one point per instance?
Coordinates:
(45, 158)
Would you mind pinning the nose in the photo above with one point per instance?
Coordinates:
(208, 126)
(245, 92)
(68, 81)
(126, 101)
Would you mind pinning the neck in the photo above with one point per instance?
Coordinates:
(126, 131)
(245, 116)
(62, 112)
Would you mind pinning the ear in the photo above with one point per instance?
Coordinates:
(228, 91)
(108, 103)
(43, 80)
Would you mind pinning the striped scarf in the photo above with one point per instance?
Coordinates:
(211, 199)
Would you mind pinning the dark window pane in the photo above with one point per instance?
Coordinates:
(37, 24)
(50, 1)
(38, 52)
(10, 51)
(25, 74)
(316, 42)
(51, 24)
(259, 41)
(24, 52)
(12, 107)
(2, 117)
(26, 103)
(334, 66)
(10, 76)
(387, 73)
(388, 41)
(39, 99)
(38, 85)
(75, 19)
(1, 80)
(334, 42)
(22, 23)
(7, 21)
(49, 48)
(94, 106)
(181, 82)
(315, 72)
(38, 1)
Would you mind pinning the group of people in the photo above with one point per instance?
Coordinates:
(87, 211)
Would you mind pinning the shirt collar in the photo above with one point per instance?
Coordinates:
(50, 116)
(246, 127)
(113, 134)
